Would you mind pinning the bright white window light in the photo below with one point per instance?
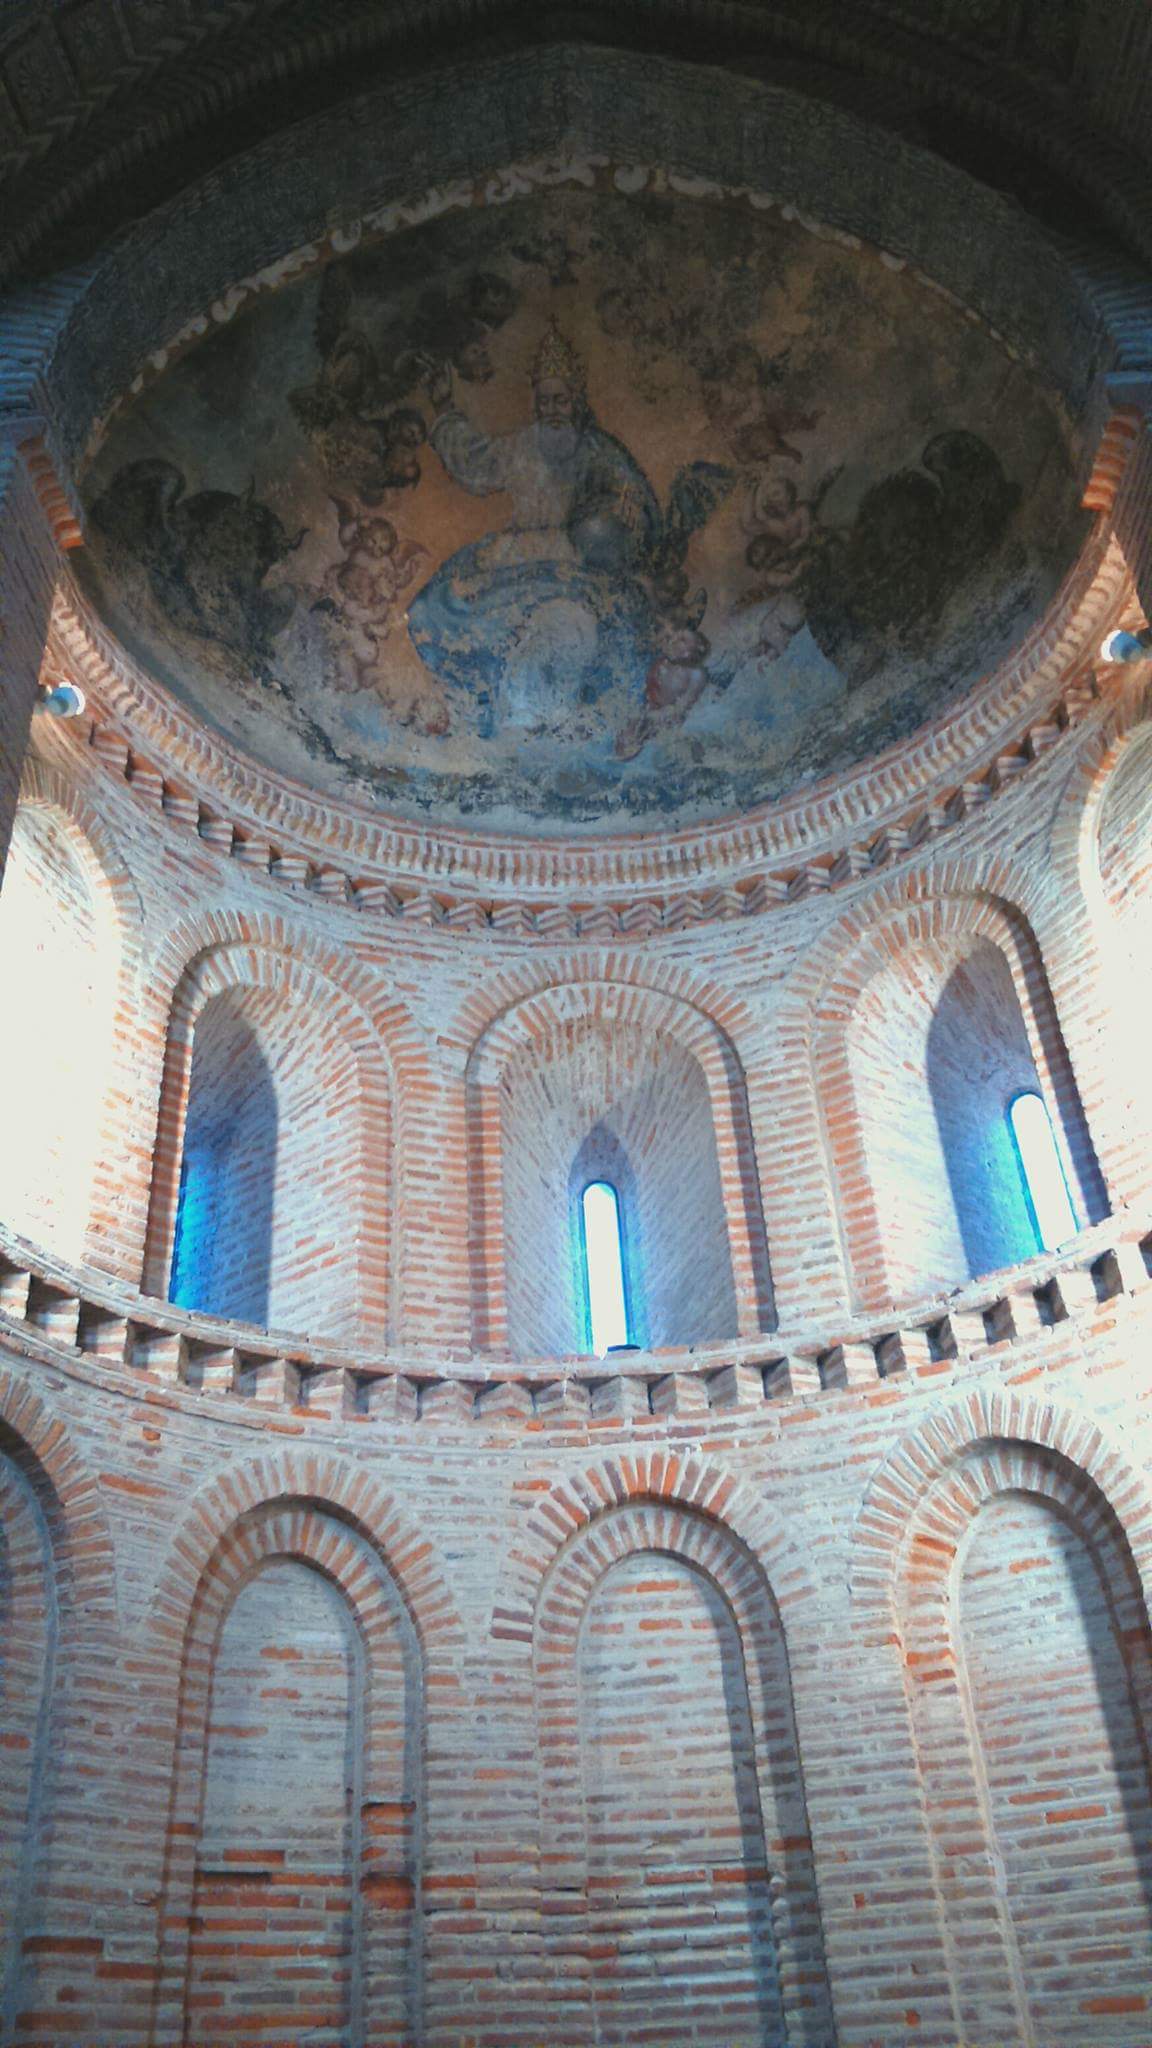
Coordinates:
(1043, 1172)
(604, 1266)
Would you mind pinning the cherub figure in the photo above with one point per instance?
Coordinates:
(676, 680)
(782, 529)
(361, 591)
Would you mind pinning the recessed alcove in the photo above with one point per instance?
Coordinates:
(630, 1087)
(926, 1042)
(613, 1105)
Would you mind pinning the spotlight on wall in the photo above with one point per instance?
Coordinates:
(63, 700)
(1121, 646)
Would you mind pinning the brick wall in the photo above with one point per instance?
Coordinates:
(598, 1731)
(792, 1689)
(59, 947)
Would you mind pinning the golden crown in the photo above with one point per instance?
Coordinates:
(556, 357)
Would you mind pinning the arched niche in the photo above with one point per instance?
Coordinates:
(227, 1245)
(672, 1788)
(271, 1198)
(930, 1029)
(60, 940)
(651, 1089)
(620, 1104)
(1027, 1659)
(295, 1836)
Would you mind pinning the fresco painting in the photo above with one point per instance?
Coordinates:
(600, 508)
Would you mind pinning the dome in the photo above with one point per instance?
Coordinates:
(591, 498)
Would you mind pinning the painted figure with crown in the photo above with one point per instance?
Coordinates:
(539, 620)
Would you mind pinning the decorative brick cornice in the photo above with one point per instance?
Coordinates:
(606, 888)
(54, 491)
(52, 1313)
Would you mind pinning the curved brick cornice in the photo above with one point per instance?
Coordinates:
(80, 1522)
(119, 1340)
(985, 1418)
(606, 888)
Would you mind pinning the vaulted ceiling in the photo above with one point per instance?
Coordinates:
(109, 106)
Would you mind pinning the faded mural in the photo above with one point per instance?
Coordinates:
(602, 506)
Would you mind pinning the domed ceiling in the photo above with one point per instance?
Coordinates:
(612, 502)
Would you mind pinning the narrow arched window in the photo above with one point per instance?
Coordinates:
(1041, 1170)
(606, 1293)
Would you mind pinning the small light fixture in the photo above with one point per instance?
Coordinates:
(1122, 646)
(63, 700)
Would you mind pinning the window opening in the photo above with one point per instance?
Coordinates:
(180, 1259)
(1041, 1170)
(604, 1267)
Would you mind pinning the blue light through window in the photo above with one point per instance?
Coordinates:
(604, 1267)
(1042, 1170)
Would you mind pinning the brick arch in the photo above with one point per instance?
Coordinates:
(230, 951)
(44, 785)
(705, 1548)
(1077, 828)
(986, 1417)
(680, 1480)
(919, 1515)
(620, 967)
(406, 1043)
(350, 1494)
(77, 1518)
(530, 1019)
(339, 1521)
(944, 914)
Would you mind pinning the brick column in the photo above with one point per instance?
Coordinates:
(36, 523)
